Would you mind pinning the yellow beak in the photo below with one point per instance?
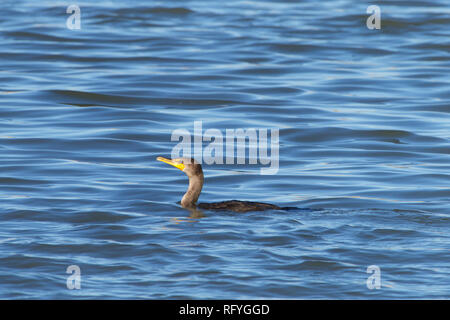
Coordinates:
(174, 162)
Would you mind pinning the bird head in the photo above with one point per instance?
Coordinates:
(187, 165)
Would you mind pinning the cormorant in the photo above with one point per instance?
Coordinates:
(195, 174)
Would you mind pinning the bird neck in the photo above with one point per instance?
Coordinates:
(190, 198)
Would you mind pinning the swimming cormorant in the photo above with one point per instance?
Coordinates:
(195, 174)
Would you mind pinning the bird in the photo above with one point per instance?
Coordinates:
(194, 171)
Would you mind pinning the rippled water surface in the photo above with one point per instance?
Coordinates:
(364, 131)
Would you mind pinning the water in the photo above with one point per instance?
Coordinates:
(364, 123)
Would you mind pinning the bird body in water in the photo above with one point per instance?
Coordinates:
(195, 174)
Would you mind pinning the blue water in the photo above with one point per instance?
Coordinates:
(364, 129)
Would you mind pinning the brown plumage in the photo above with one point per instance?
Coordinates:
(195, 174)
(238, 206)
